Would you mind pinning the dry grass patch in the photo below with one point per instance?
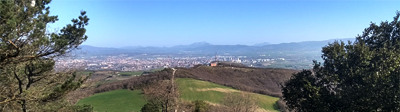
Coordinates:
(224, 90)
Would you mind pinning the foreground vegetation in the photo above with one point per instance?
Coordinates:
(115, 101)
(27, 57)
(360, 76)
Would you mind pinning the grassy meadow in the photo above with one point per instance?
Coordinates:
(130, 73)
(191, 89)
(116, 101)
(84, 72)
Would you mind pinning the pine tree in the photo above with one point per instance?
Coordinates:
(27, 52)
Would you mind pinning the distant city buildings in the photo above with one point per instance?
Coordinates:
(148, 62)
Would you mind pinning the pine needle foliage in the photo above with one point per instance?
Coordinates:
(27, 52)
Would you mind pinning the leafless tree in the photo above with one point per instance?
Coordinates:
(163, 94)
(240, 102)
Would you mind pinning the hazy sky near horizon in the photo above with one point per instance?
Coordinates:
(119, 23)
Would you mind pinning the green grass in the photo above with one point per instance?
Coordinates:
(189, 90)
(84, 72)
(115, 101)
(130, 73)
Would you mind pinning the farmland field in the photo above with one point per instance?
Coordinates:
(115, 101)
(130, 73)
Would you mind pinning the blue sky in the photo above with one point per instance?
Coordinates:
(118, 23)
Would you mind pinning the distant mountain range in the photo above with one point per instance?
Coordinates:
(262, 44)
(204, 47)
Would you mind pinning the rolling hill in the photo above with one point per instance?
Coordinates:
(209, 81)
(115, 101)
(124, 100)
(191, 89)
(257, 80)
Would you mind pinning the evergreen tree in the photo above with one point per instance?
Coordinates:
(357, 76)
(27, 52)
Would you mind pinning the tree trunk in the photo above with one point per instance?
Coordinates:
(23, 104)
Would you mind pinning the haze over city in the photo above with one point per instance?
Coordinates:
(223, 22)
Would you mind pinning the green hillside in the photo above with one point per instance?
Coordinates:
(84, 72)
(191, 89)
(131, 73)
(116, 101)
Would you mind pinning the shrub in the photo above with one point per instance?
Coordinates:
(200, 106)
(149, 107)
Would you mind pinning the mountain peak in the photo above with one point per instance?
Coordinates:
(200, 43)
